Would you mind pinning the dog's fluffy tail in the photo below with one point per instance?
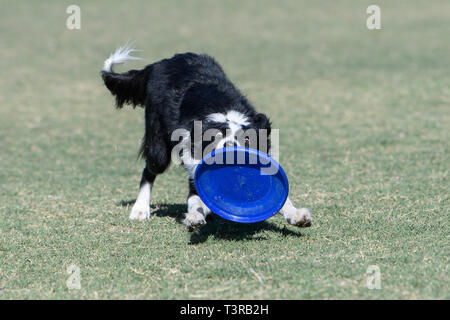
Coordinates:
(128, 87)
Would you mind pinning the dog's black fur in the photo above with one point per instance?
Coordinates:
(176, 92)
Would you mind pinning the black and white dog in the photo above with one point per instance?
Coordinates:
(177, 93)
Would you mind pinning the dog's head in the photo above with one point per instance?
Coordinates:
(236, 129)
(218, 130)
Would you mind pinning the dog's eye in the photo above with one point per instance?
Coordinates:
(247, 142)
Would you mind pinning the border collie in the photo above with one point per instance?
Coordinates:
(177, 93)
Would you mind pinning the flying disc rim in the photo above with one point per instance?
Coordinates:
(229, 215)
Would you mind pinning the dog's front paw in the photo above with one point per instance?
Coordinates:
(301, 218)
(140, 212)
(194, 221)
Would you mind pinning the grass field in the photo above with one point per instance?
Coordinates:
(364, 131)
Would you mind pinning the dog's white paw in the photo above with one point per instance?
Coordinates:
(194, 221)
(301, 218)
(140, 212)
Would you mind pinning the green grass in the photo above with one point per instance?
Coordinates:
(364, 118)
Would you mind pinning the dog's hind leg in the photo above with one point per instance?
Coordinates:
(197, 210)
(141, 208)
(297, 217)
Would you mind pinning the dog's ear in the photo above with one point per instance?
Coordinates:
(262, 122)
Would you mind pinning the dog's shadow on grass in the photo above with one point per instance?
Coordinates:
(216, 226)
(220, 228)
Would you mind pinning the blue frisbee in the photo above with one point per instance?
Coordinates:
(241, 184)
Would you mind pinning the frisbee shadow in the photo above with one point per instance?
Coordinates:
(216, 226)
(223, 229)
